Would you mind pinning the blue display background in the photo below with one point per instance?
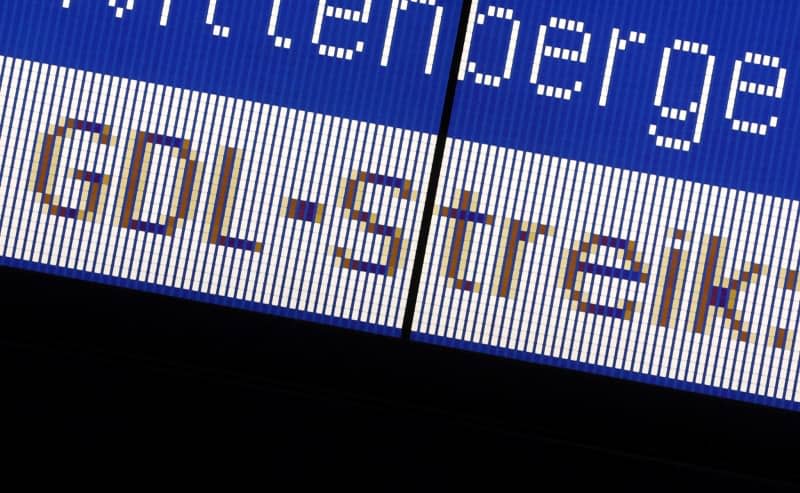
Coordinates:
(617, 135)
(247, 64)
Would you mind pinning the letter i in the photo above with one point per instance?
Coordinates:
(671, 274)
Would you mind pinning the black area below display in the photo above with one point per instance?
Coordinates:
(97, 362)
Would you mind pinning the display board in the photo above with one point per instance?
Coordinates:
(608, 186)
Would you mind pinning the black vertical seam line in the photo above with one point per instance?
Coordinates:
(436, 169)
